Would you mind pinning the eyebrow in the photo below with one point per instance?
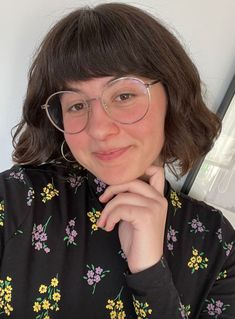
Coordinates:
(71, 88)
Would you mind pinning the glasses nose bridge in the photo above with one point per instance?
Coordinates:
(97, 98)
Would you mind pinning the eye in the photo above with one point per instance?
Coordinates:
(124, 97)
(78, 107)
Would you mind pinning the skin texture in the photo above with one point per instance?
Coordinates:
(127, 157)
(143, 139)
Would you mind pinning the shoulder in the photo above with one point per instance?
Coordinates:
(25, 189)
(196, 212)
(196, 224)
(30, 174)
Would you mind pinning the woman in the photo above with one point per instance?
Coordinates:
(112, 98)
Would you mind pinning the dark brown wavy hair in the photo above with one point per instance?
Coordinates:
(116, 39)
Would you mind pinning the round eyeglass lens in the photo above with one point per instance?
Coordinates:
(68, 111)
(126, 100)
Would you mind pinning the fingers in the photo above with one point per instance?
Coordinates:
(135, 187)
(128, 213)
(124, 206)
(125, 200)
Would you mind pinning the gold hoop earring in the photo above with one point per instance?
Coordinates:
(62, 153)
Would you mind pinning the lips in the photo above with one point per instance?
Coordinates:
(111, 154)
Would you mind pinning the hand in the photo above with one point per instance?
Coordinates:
(141, 210)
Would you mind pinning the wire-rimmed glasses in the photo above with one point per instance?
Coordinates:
(126, 100)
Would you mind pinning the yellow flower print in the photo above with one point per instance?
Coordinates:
(185, 310)
(36, 307)
(197, 261)
(8, 308)
(93, 217)
(113, 314)
(43, 289)
(94, 227)
(193, 259)
(45, 305)
(6, 296)
(142, 310)
(8, 289)
(195, 252)
(56, 296)
(116, 306)
(175, 201)
(2, 206)
(196, 266)
(222, 275)
(2, 216)
(49, 192)
(54, 282)
(119, 305)
(110, 305)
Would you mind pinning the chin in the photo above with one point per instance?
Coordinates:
(115, 178)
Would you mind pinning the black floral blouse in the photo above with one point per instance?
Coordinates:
(56, 263)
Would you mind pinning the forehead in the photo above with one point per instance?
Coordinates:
(90, 83)
(98, 83)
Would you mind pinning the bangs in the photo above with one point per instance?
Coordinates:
(95, 44)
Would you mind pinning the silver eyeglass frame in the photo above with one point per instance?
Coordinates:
(104, 105)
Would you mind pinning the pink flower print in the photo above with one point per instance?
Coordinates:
(47, 250)
(170, 246)
(90, 281)
(30, 196)
(197, 226)
(71, 233)
(97, 278)
(100, 185)
(39, 237)
(219, 235)
(90, 274)
(219, 304)
(218, 311)
(215, 307)
(38, 245)
(94, 276)
(98, 270)
(75, 181)
(39, 228)
(71, 239)
(171, 239)
(74, 233)
(43, 237)
(67, 230)
(228, 247)
(72, 223)
(18, 175)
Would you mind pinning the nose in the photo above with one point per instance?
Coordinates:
(100, 126)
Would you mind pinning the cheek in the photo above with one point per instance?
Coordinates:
(76, 144)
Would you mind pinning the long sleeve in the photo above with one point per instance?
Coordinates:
(154, 294)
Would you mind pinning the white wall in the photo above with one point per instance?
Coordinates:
(206, 28)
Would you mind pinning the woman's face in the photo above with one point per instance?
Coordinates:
(117, 153)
